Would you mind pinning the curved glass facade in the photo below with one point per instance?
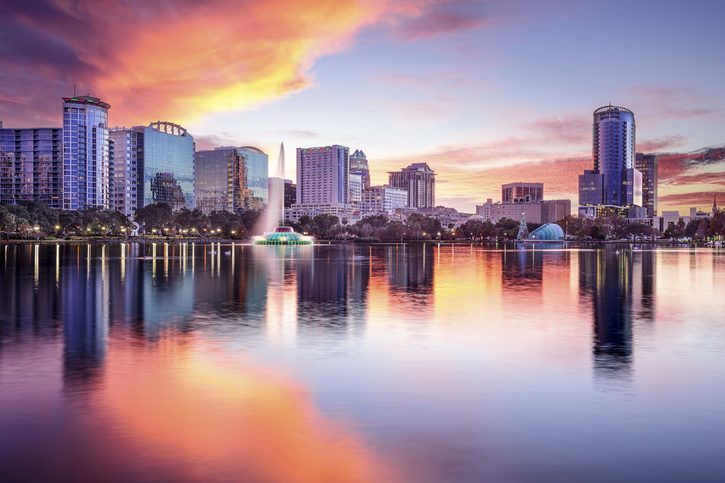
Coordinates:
(547, 232)
(86, 156)
(613, 151)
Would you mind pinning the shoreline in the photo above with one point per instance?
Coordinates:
(565, 243)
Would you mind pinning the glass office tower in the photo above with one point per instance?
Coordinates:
(613, 153)
(86, 157)
(257, 171)
(168, 165)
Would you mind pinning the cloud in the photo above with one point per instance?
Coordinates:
(183, 59)
(416, 20)
(659, 102)
(696, 198)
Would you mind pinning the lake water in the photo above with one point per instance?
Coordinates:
(361, 364)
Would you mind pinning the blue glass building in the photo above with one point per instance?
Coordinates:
(614, 181)
(168, 165)
(257, 170)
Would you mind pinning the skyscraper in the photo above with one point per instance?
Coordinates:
(168, 165)
(355, 184)
(614, 181)
(221, 181)
(613, 150)
(323, 175)
(256, 163)
(86, 157)
(31, 166)
(647, 165)
(359, 165)
(127, 169)
(419, 180)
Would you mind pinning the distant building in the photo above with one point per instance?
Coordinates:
(383, 199)
(554, 210)
(323, 175)
(522, 192)
(127, 169)
(31, 166)
(297, 210)
(168, 165)
(614, 181)
(220, 180)
(355, 187)
(290, 193)
(647, 165)
(525, 199)
(494, 212)
(419, 181)
(591, 188)
(86, 157)
(256, 164)
(359, 165)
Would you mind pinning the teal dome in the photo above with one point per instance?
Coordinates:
(549, 231)
(283, 238)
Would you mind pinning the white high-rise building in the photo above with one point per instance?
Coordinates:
(323, 175)
(86, 153)
(383, 199)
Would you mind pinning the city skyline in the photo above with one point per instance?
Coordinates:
(463, 86)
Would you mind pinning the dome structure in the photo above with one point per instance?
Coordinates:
(283, 235)
(476, 218)
(547, 232)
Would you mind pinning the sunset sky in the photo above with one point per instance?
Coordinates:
(486, 92)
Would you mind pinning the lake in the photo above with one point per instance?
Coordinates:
(341, 363)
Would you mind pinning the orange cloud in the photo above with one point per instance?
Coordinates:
(183, 59)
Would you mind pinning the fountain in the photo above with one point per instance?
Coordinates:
(272, 223)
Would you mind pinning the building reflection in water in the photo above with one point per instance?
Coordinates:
(410, 272)
(617, 280)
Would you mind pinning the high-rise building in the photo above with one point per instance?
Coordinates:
(290, 193)
(359, 165)
(31, 166)
(647, 165)
(220, 180)
(614, 181)
(256, 163)
(613, 150)
(419, 180)
(86, 157)
(128, 166)
(522, 192)
(355, 187)
(323, 175)
(383, 199)
(168, 165)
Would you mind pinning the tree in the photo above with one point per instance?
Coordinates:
(155, 215)
(571, 224)
(675, 230)
(323, 225)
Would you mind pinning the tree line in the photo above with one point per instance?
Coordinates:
(34, 220)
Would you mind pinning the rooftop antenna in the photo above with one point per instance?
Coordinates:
(74, 89)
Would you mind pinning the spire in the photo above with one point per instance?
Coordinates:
(714, 205)
(523, 229)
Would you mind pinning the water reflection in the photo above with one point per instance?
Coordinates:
(350, 363)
